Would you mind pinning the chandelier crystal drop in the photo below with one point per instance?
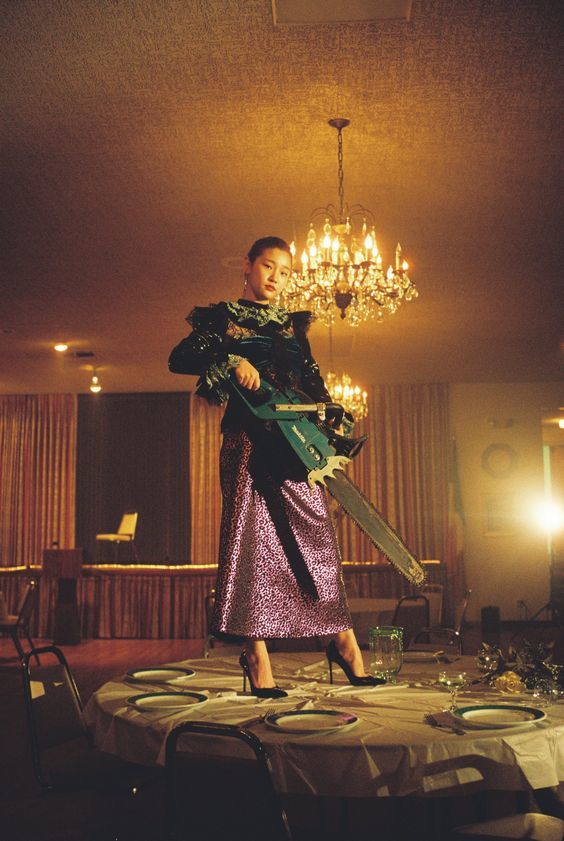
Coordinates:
(351, 397)
(341, 267)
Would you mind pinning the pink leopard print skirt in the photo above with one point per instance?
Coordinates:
(279, 563)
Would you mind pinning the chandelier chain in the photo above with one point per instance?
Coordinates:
(341, 175)
(341, 265)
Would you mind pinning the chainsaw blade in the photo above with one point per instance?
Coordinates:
(374, 526)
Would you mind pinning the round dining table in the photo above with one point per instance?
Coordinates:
(386, 746)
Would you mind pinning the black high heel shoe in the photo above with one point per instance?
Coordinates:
(268, 692)
(333, 656)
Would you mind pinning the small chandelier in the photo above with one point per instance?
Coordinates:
(340, 386)
(95, 385)
(351, 397)
(342, 267)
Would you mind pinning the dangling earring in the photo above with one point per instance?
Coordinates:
(246, 283)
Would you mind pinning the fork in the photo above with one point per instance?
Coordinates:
(429, 718)
(259, 719)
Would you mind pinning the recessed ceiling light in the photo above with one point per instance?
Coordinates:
(60, 347)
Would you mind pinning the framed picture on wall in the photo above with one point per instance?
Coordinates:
(499, 514)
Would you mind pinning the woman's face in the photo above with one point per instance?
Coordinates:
(267, 275)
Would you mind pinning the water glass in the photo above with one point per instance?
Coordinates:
(453, 681)
(386, 651)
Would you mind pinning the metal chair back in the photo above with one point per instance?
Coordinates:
(411, 614)
(213, 774)
(460, 612)
(25, 610)
(53, 707)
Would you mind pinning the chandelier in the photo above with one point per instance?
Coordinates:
(342, 390)
(351, 397)
(342, 267)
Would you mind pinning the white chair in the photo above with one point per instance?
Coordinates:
(125, 534)
(535, 827)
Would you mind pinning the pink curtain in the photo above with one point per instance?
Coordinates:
(37, 475)
(403, 469)
(205, 491)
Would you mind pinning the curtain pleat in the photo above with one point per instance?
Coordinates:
(37, 475)
(205, 491)
(162, 603)
(403, 469)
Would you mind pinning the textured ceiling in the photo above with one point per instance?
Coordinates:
(147, 143)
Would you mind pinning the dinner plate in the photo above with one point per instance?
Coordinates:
(421, 656)
(166, 701)
(310, 721)
(494, 716)
(159, 674)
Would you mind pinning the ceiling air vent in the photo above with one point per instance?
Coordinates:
(311, 12)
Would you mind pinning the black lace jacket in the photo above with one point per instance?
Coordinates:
(271, 338)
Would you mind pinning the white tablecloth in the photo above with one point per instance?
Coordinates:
(390, 751)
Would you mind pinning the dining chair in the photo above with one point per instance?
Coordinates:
(411, 613)
(210, 640)
(530, 825)
(219, 785)
(62, 748)
(428, 638)
(18, 623)
(125, 534)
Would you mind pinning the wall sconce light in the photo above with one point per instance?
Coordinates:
(60, 347)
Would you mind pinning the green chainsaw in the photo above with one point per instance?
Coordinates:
(324, 454)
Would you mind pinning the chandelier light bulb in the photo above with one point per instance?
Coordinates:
(60, 347)
(342, 267)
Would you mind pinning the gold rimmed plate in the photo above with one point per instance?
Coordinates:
(159, 674)
(496, 716)
(311, 721)
(166, 701)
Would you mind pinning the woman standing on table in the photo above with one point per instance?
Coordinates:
(279, 564)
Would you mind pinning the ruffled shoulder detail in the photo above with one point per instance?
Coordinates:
(248, 315)
(302, 320)
(212, 318)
